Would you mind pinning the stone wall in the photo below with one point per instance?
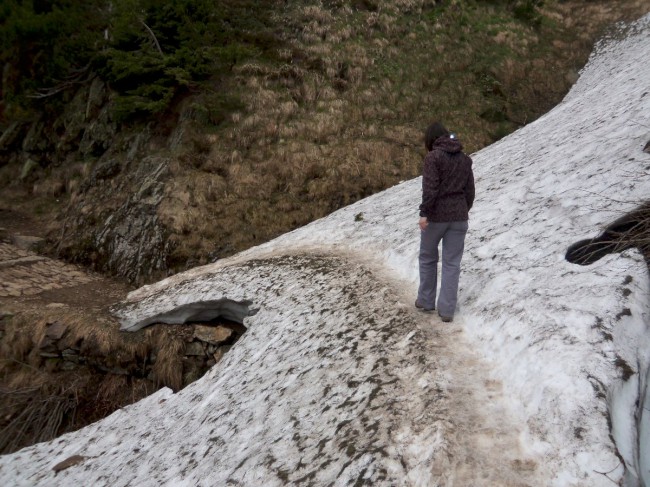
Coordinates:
(204, 345)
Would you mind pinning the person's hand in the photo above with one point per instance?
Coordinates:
(423, 223)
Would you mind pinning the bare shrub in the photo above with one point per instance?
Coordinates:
(31, 415)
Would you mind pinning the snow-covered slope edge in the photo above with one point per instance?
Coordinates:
(337, 382)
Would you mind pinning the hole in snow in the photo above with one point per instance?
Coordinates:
(201, 311)
(630, 231)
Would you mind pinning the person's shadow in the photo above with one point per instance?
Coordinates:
(629, 231)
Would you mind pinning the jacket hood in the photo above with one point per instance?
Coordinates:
(448, 144)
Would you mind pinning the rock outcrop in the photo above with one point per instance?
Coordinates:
(115, 178)
(111, 222)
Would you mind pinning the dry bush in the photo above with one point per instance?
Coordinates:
(251, 69)
(32, 414)
(38, 406)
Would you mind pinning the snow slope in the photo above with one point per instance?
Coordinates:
(339, 381)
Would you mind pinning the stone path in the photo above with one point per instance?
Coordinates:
(25, 273)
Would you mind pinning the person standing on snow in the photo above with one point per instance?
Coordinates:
(447, 197)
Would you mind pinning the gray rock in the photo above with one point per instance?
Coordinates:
(132, 239)
(73, 121)
(49, 355)
(47, 345)
(194, 349)
(107, 169)
(27, 242)
(96, 97)
(136, 144)
(70, 354)
(35, 140)
(193, 369)
(56, 330)
(221, 351)
(215, 335)
(68, 365)
(99, 134)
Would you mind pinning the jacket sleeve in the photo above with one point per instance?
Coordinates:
(470, 190)
(430, 185)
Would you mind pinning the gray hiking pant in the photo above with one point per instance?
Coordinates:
(452, 235)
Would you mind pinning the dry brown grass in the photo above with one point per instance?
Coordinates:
(31, 415)
(168, 369)
(99, 338)
(44, 405)
(40, 400)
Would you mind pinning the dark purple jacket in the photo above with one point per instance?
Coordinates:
(447, 182)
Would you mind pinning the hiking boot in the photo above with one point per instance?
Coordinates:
(446, 319)
(419, 306)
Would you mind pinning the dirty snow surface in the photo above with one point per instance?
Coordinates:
(340, 381)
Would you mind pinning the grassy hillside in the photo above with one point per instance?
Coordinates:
(273, 114)
(341, 117)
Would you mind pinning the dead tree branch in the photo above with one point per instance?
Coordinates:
(153, 36)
